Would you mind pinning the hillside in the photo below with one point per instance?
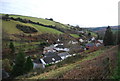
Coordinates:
(25, 28)
(94, 65)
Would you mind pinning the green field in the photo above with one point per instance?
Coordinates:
(75, 35)
(10, 28)
(41, 20)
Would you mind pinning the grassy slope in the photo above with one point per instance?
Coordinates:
(40, 20)
(116, 72)
(10, 28)
(75, 35)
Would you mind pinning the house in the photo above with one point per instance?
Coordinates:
(90, 46)
(49, 49)
(38, 64)
(81, 40)
(58, 44)
(64, 55)
(82, 32)
(72, 42)
(93, 38)
(61, 48)
(99, 43)
(50, 58)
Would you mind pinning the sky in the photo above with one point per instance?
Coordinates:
(85, 13)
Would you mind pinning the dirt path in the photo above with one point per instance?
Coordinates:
(97, 68)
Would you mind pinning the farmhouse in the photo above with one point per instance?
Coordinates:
(99, 43)
(50, 58)
(72, 42)
(61, 48)
(38, 64)
(49, 49)
(90, 46)
(64, 55)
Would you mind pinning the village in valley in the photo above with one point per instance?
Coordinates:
(36, 48)
(59, 51)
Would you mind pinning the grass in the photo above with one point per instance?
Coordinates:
(60, 71)
(47, 30)
(10, 28)
(116, 72)
(75, 35)
(40, 20)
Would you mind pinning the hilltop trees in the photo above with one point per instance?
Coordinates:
(108, 38)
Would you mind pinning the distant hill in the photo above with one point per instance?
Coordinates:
(103, 29)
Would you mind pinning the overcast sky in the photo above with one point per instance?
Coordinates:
(86, 13)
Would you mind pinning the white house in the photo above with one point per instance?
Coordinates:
(49, 49)
(61, 48)
(64, 55)
(93, 38)
(81, 40)
(38, 64)
(72, 42)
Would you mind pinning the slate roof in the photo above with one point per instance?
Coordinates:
(50, 54)
(63, 54)
(38, 61)
(51, 57)
(60, 46)
(90, 44)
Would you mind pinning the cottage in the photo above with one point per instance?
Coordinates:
(61, 48)
(81, 40)
(82, 32)
(89, 46)
(50, 58)
(38, 64)
(64, 55)
(99, 43)
(72, 42)
(49, 49)
(93, 38)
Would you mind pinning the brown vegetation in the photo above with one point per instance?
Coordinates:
(97, 68)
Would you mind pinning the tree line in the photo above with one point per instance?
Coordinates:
(110, 38)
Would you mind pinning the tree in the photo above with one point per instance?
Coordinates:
(11, 46)
(108, 37)
(28, 65)
(89, 34)
(18, 68)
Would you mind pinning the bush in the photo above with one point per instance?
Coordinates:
(6, 65)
